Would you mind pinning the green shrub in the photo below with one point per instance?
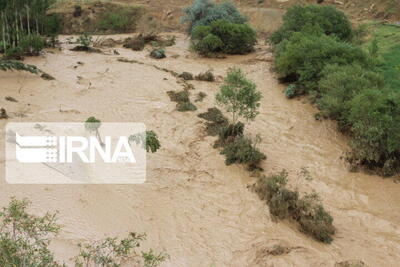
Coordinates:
(85, 40)
(284, 203)
(32, 44)
(207, 76)
(25, 238)
(303, 57)
(224, 36)
(158, 53)
(228, 133)
(215, 121)
(290, 91)
(51, 24)
(114, 21)
(243, 150)
(185, 106)
(375, 118)
(328, 18)
(182, 99)
(339, 85)
(148, 139)
(187, 76)
(204, 12)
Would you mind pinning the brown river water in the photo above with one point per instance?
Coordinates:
(198, 210)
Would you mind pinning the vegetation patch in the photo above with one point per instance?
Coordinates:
(207, 76)
(222, 36)
(307, 211)
(187, 76)
(182, 99)
(355, 85)
(327, 19)
(215, 121)
(25, 241)
(158, 53)
(204, 12)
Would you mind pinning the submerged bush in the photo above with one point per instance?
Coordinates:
(182, 99)
(303, 57)
(224, 36)
(204, 12)
(158, 53)
(243, 150)
(207, 76)
(284, 203)
(290, 91)
(215, 121)
(330, 20)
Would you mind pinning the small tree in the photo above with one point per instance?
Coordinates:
(115, 252)
(239, 96)
(25, 238)
(92, 125)
(148, 139)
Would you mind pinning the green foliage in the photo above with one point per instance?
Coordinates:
(17, 65)
(215, 121)
(290, 91)
(204, 12)
(207, 76)
(330, 20)
(244, 151)
(21, 21)
(283, 203)
(339, 85)
(116, 22)
(182, 99)
(148, 139)
(303, 57)
(158, 53)
(114, 252)
(25, 238)
(239, 96)
(375, 119)
(224, 36)
(228, 133)
(85, 40)
(32, 44)
(187, 76)
(92, 124)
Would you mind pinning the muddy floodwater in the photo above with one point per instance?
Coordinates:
(201, 212)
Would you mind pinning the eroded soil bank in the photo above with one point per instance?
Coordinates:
(193, 206)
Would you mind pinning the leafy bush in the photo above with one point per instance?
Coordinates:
(207, 76)
(284, 203)
(224, 36)
(148, 139)
(187, 76)
(290, 91)
(157, 53)
(32, 44)
(85, 40)
(303, 57)
(215, 121)
(6, 65)
(239, 96)
(340, 84)
(328, 18)
(375, 118)
(116, 22)
(243, 150)
(25, 238)
(114, 252)
(204, 12)
(182, 99)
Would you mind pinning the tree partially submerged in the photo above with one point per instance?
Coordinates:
(239, 96)
(25, 238)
